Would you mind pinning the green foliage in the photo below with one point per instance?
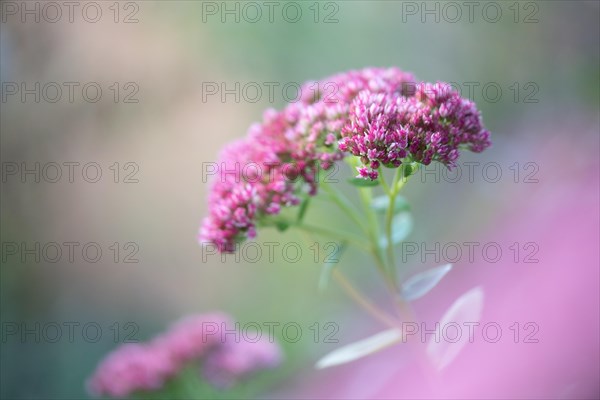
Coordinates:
(302, 211)
(360, 182)
(381, 204)
(328, 267)
(402, 225)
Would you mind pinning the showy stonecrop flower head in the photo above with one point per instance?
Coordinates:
(197, 339)
(432, 124)
(379, 115)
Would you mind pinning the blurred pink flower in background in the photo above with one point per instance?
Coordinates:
(203, 338)
(130, 368)
(237, 359)
(193, 336)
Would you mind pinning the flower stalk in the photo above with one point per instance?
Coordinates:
(363, 301)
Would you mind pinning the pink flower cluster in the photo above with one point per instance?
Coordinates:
(377, 114)
(290, 146)
(147, 366)
(432, 124)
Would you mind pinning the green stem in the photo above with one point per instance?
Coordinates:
(371, 229)
(363, 301)
(386, 187)
(334, 234)
(345, 205)
(398, 183)
(366, 196)
(359, 298)
(376, 251)
(403, 309)
(389, 222)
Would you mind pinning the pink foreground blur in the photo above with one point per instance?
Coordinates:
(560, 294)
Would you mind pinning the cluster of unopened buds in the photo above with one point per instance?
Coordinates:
(194, 342)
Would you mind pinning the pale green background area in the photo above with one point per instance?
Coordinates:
(169, 53)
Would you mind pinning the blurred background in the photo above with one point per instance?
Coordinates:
(143, 113)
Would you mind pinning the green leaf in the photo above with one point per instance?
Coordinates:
(467, 308)
(282, 226)
(328, 267)
(360, 349)
(419, 285)
(409, 169)
(402, 225)
(381, 204)
(361, 182)
(303, 208)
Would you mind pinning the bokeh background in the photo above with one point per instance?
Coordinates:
(546, 61)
